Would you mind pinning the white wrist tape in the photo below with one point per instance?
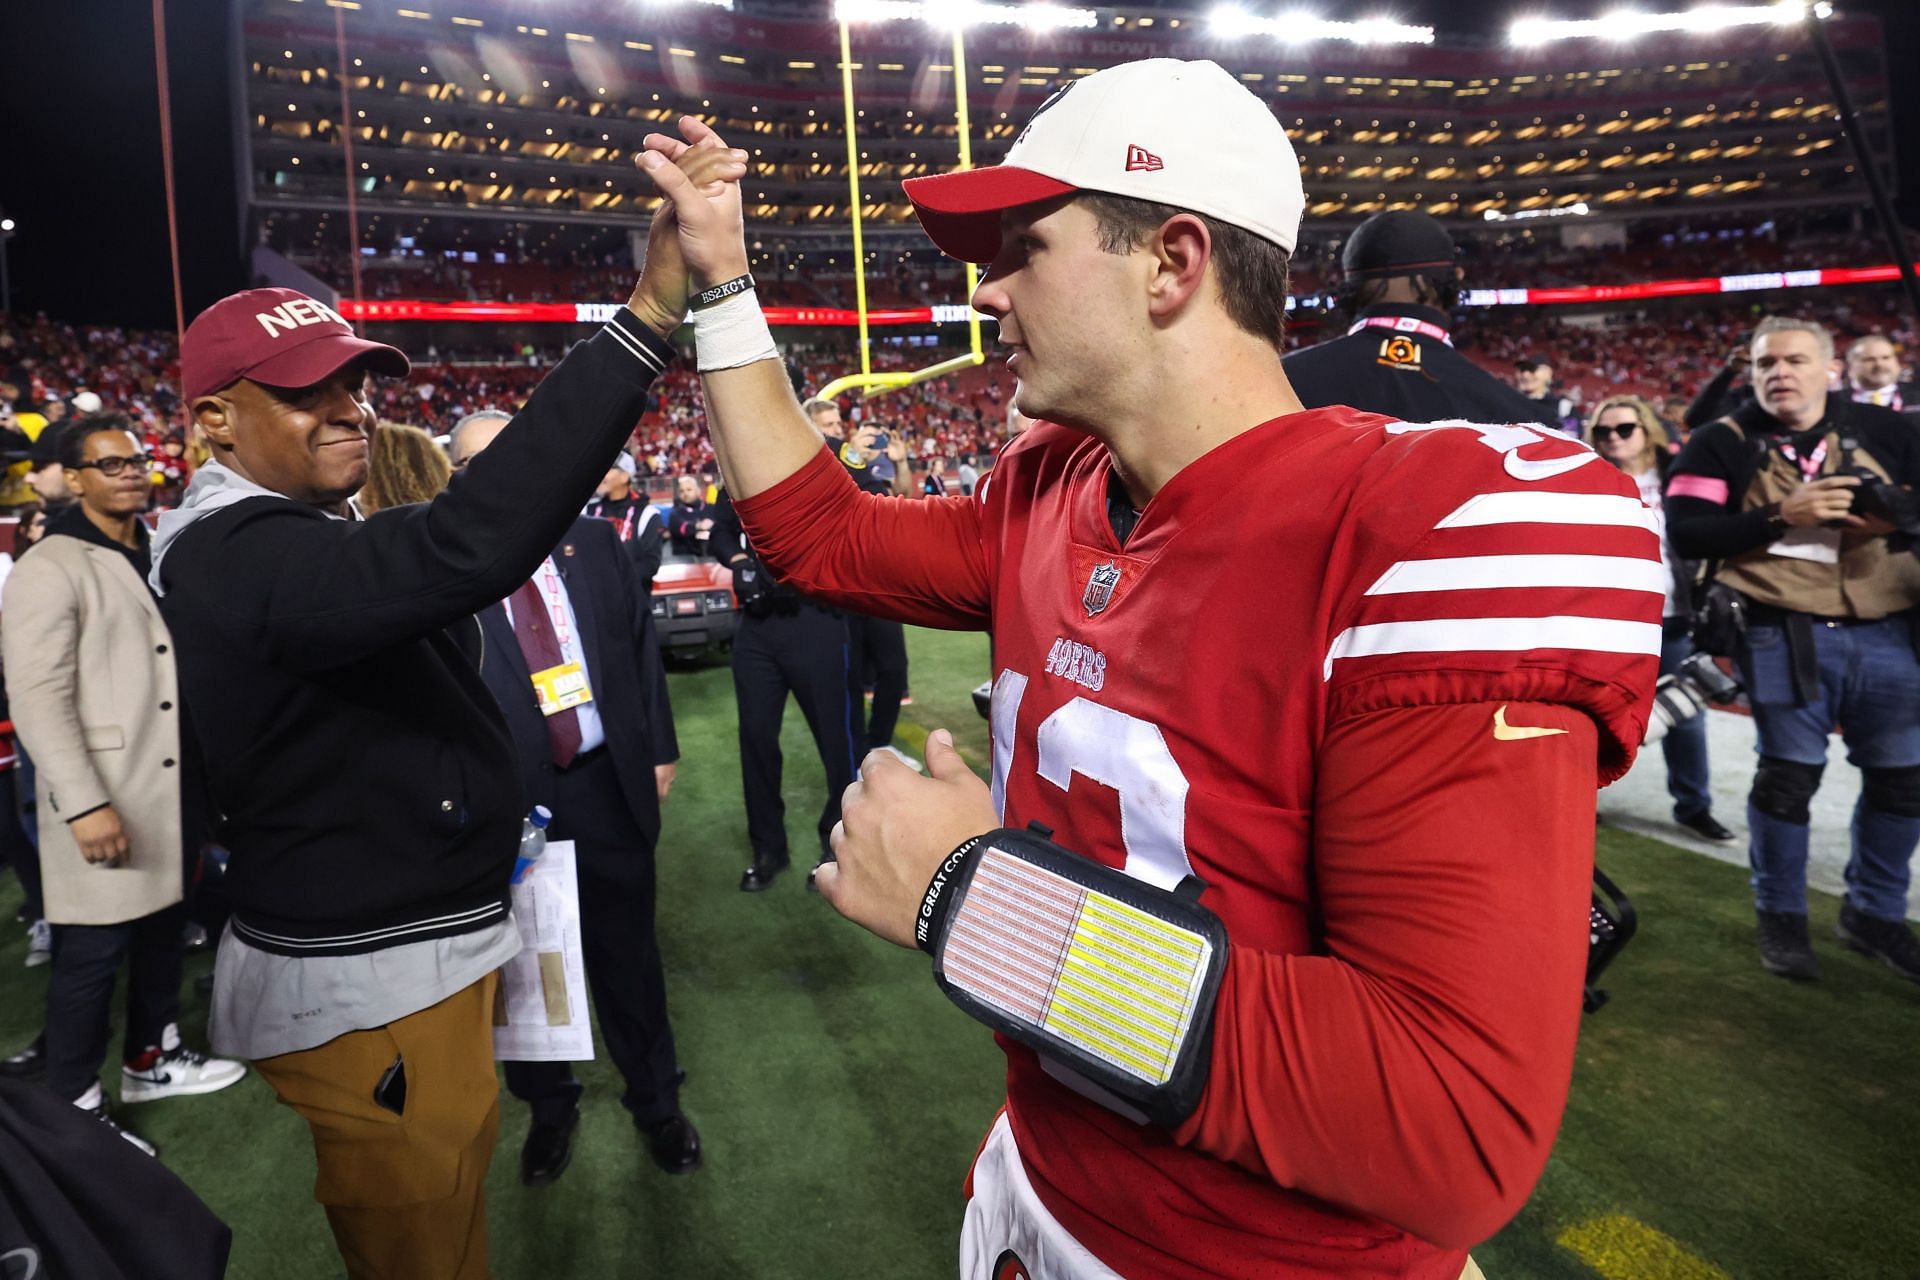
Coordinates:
(729, 334)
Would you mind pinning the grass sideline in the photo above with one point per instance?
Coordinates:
(1722, 1122)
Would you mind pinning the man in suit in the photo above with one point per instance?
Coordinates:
(690, 522)
(90, 671)
(1873, 375)
(602, 764)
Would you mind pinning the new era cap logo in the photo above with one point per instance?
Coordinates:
(1139, 158)
(294, 315)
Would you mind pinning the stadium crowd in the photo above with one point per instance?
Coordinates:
(1664, 355)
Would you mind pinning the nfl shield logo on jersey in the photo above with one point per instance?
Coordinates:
(1099, 592)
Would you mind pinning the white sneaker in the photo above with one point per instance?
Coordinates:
(94, 1103)
(39, 944)
(177, 1073)
(902, 757)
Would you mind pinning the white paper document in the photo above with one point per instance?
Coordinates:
(540, 1014)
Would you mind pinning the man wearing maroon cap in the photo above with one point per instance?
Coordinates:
(1278, 908)
(364, 776)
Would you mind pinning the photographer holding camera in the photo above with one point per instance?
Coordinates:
(1804, 501)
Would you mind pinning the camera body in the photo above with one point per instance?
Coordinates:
(1878, 498)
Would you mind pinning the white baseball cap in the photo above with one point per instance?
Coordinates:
(1185, 134)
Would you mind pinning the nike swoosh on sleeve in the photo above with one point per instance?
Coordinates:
(1504, 732)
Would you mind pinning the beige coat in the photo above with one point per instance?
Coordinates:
(90, 682)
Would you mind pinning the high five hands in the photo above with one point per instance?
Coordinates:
(698, 235)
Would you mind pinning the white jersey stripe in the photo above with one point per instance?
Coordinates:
(1546, 507)
(1493, 635)
(1476, 573)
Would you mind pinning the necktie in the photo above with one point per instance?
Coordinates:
(533, 628)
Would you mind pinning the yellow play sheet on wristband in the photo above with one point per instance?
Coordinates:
(561, 688)
(1110, 979)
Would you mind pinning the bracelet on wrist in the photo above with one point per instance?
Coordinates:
(722, 291)
(935, 905)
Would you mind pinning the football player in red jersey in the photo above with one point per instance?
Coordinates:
(1312, 704)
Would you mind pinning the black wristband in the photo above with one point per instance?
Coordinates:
(722, 291)
(937, 905)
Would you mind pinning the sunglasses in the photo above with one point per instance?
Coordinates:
(111, 467)
(1626, 432)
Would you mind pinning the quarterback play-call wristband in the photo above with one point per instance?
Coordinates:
(1107, 976)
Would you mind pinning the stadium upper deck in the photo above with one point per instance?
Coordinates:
(475, 128)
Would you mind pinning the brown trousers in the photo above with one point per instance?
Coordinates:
(404, 1194)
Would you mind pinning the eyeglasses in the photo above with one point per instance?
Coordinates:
(113, 466)
(1625, 431)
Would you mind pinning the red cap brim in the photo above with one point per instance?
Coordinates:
(317, 360)
(961, 211)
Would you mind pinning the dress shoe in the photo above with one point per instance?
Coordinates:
(673, 1143)
(761, 875)
(548, 1150)
(1708, 828)
(28, 1064)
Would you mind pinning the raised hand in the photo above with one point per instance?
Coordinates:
(706, 203)
(708, 171)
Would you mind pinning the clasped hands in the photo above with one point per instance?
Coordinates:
(698, 234)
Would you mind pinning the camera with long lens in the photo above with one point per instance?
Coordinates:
(1698, 683)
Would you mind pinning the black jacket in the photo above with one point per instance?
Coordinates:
(1409, 376)
(76, 1200)
(363, 773)
(686, 539)
(1701, 529)
(629, 682)
(642, 532)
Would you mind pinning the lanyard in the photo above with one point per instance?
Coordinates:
(1404, 324)
(1809, 465)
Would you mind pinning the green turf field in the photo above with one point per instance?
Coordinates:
(1723, 1123)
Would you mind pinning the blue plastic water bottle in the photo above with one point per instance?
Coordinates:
(533, 841)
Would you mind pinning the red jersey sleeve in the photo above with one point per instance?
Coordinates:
(919, 560)
(1492, 633)
(1417, 1070)
(1494, 563)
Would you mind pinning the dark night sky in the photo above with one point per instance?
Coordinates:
(80, 157)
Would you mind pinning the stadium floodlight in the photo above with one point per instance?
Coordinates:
(1578, 209)
(1297, 27)
(678, 4)
(960, 14)
(1625, 24)
(7, 225)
